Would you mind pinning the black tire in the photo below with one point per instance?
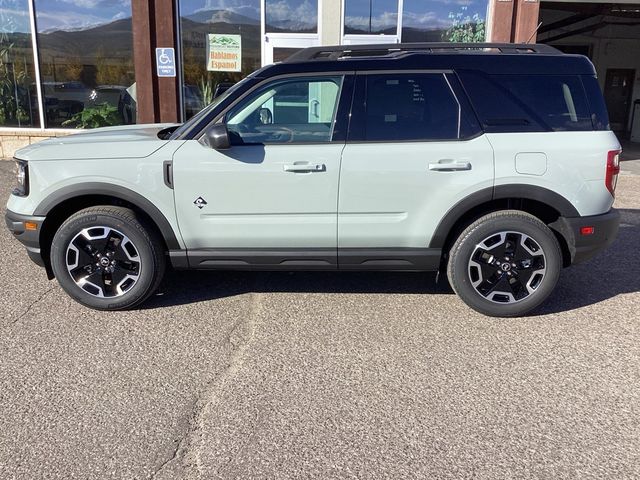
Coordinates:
(133, 249)
(483, 279)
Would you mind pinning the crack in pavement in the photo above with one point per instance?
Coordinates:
(31, 305)
(238, 340)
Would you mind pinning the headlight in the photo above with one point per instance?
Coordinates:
(22, 178)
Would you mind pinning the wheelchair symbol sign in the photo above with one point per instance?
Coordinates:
(165, 62)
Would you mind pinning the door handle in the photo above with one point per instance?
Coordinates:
(447, 166)
(304, 167)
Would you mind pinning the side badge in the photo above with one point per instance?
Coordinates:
(200, 202)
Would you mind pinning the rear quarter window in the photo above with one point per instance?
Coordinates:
(599, 114)
(529, 103)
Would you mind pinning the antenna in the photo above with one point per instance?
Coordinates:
(534, 33)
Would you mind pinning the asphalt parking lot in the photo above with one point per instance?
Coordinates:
(318, 375)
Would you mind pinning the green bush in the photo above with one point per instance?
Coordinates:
(100, 115)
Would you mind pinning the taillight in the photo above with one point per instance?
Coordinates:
(613, 169)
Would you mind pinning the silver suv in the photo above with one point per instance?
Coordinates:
(492, 163)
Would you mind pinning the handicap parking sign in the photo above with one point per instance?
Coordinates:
(165, 62)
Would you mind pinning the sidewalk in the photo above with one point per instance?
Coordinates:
(630, 150)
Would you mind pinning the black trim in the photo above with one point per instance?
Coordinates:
(583, 247)
(263, 259)
(167, 173)
(540, 194)
(29, 238)
(456, 212)
(499, 192)
(97, 188)
(413, 259)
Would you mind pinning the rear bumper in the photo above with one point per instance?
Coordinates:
(29, 238)
(583, 247)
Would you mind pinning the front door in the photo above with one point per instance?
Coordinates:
(618, 87)
(273, 194)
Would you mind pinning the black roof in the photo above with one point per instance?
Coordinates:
(495, 58)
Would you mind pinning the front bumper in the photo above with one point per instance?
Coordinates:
(29, 238)
(583, 247)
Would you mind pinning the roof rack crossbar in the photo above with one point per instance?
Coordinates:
(376, 50)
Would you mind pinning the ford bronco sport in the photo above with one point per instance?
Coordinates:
(493, 163)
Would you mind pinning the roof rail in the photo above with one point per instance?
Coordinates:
(393, 49)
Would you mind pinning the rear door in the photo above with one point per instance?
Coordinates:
(413, 152)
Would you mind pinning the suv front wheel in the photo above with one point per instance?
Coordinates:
(505, 264)
(106, 258)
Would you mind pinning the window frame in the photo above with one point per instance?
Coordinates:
(340, 121)
(356, 133)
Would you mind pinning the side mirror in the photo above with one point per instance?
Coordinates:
(217, 137)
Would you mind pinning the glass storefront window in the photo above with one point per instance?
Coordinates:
(292, 16)
(434, 21)
(86, 63)
(18, 93)
(369, 17)
(235, 23)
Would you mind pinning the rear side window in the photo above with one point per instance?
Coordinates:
(413, 106)
(529, 103)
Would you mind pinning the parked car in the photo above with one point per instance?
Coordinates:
(494, 165)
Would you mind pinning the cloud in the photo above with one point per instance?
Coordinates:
(248, 8)
(383, 20)
(99, 3)
(283, 10)
(51, 21)
(15, 21)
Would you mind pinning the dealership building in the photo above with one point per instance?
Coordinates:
(68, 64)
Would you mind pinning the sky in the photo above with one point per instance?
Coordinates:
(64, 14)
(82, 14)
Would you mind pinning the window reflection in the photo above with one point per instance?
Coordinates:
(371, 17)
(18, 97)
(436, 21)
(86, 62)
(292, 16)
(199, 20)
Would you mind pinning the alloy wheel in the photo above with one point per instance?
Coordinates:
(103, 262)
(507, 267)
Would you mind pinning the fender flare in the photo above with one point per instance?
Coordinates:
(520, 191)
(97, 188)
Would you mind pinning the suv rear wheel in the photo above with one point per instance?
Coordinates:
(106, 258)
(505, 264)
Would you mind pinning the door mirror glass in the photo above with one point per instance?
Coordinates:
(217, 137)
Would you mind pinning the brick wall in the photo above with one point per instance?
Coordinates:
(12, 140)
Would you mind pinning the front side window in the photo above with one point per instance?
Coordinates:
(286, 111)
(417, 106)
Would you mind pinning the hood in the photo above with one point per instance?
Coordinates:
(130, 141)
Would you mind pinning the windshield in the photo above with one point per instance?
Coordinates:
(206, 110)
